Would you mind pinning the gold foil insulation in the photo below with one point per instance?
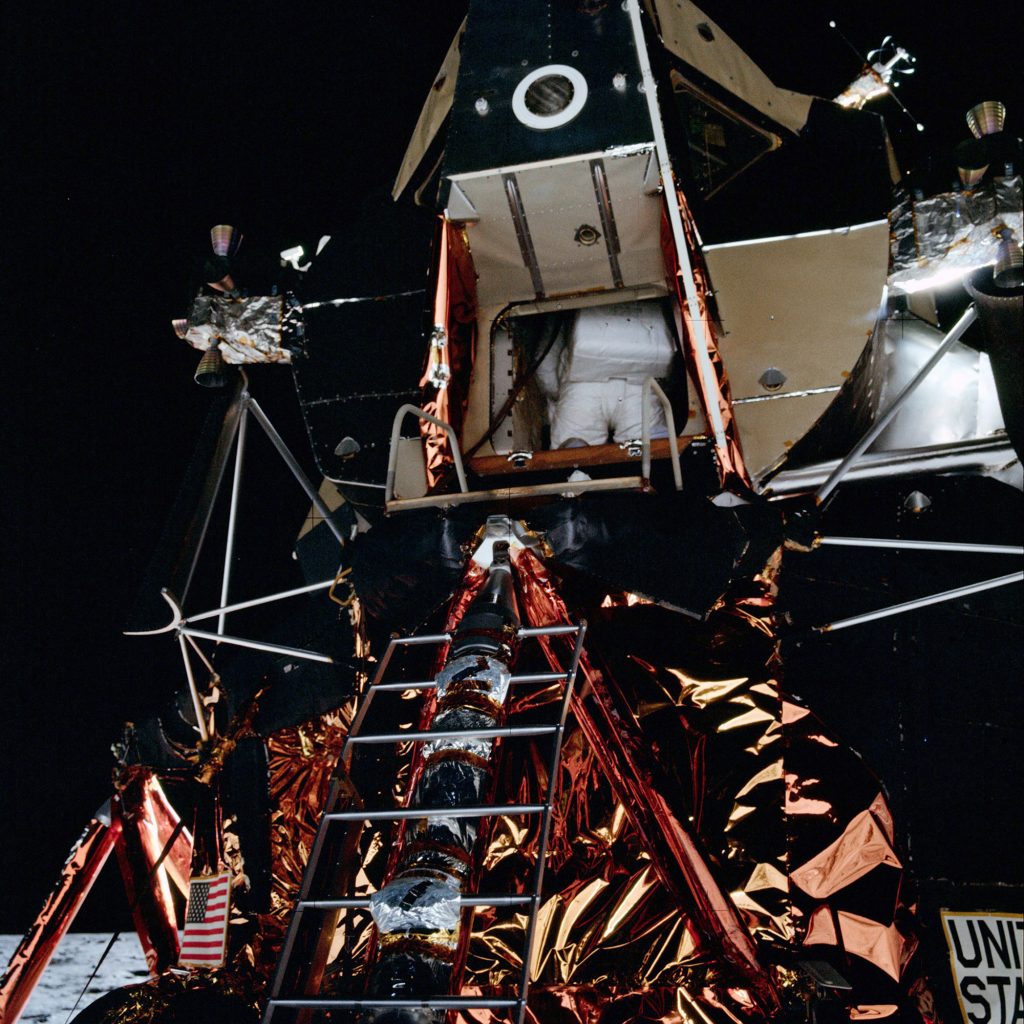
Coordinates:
(146, 827)
(300, 762)
(709, 832)
(789, 854)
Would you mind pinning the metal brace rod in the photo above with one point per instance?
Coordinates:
(202, 657)
(921, 545)
(197, 703)
(195, 536)
(285, 452)
(954, 335)
(236, 486)
(645, 431)
(256, 645)
(923, 602)
(254, 602)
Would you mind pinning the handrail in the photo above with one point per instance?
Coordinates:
(645, 431)
(396, 428)
(650, 386)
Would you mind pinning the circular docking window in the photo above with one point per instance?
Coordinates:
(550, 96)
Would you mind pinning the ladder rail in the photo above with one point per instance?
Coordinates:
(337, 791)
(545, 831)
(364, 705)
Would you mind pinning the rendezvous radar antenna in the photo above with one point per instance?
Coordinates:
(878, 76)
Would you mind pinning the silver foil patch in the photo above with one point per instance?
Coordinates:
(245, 330)
(475, 673)
(953, 232)
(416, 904)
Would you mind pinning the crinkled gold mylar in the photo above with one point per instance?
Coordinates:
(300, 761)
(755, 777)
(706, 827)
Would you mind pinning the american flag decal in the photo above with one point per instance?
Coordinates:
(204, 940)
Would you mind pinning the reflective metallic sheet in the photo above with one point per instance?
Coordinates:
(862, 846)
(952, 232)
(848, 886)
(139, 850)
(416, 902)
(791, 845)
(164, 820)
(245, 330)
(709, 831)
(300, 762)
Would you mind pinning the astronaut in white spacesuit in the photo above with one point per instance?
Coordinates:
(593, 380)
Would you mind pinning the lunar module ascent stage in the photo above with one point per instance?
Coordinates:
(685, 396)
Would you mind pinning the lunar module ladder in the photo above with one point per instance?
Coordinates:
(342, 794)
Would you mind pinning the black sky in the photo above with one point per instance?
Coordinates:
(128, 131)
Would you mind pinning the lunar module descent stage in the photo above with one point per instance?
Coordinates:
(685, 396)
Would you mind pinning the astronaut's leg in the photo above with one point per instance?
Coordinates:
(627, 414)
(579, 415)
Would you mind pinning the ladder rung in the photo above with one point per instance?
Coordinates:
(430, 684)
(417, 684)
(540, 677)
(411, 813)
(368, 1003)
(547, 631)
(502, 732)
(441, 638)
(529, 631)
(363, 903)
(414, 641)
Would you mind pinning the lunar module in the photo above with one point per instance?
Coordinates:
(648, 651)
